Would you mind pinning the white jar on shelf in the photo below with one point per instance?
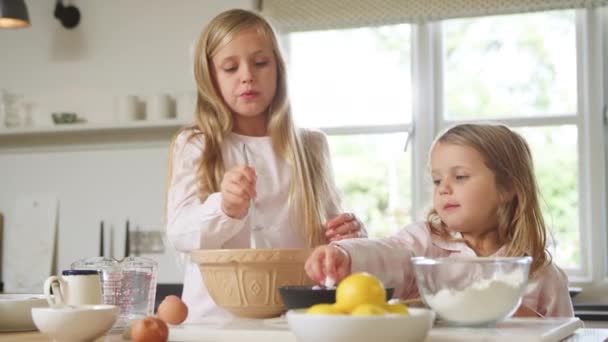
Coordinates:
(9, 112)
(127, 108)
(158, 107)
(2, 110)
(185, 105)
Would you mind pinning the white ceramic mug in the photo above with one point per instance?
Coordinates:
(158, 107)
(127, 108)
(185, 105)
(73, 287)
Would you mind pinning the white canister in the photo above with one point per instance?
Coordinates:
(126, 108)
(185, 106)
(158, 107)
(9, 110)
(73, 287)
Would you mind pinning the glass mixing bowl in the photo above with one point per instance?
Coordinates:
(472, 291)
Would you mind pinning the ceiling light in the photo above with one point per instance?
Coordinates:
(13, 14)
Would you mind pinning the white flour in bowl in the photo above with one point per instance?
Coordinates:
(484, 301)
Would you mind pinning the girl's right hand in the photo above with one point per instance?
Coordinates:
(526, 311)
(327, 261)
(238, 187)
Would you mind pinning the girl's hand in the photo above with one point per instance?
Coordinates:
(327, 261)
(238, 187)
(343, 226)
(525, 311)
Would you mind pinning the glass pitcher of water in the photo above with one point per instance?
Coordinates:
(129, 284)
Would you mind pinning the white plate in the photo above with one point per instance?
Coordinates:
(16, 311)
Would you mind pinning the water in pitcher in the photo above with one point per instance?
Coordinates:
(129, 284)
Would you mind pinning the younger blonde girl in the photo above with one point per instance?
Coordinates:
(485, 204)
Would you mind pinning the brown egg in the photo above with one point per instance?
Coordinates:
(149, 329)
(172, 310)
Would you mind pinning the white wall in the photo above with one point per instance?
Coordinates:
(137, 47)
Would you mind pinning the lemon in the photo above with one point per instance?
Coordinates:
(357, 289)
(368, 310)
(323, 309)
(396, 308)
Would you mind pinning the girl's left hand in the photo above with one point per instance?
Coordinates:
(344, 226)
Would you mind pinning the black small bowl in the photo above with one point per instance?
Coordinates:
(296, 297)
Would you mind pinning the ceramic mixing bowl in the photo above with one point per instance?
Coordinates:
(246, 281)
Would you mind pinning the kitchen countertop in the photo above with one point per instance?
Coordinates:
(589, 334)
(581, 335)
(592, 331)
(34, 336)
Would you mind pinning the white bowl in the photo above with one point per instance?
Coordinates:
(78, 323)
(474, 291)
(16, 311)
(345, 328)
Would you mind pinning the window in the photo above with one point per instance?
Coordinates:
(512, 69)
(554, 149)
(533, 72)
(358, 77)
(374, 174)
(356, 85)
(510, 66)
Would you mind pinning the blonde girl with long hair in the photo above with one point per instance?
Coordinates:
(485, 204)
(242, 175)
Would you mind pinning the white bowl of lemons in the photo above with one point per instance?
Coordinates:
(360, 313)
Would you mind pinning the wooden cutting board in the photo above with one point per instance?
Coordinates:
(32, 232)
(1, 251)
(514, 329)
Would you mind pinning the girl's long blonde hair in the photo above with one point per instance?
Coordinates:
(521, 227)
(311, 188)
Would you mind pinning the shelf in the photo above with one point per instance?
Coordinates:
(89, 135)
(62, 129)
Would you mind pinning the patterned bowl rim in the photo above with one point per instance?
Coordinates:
(221, 256)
